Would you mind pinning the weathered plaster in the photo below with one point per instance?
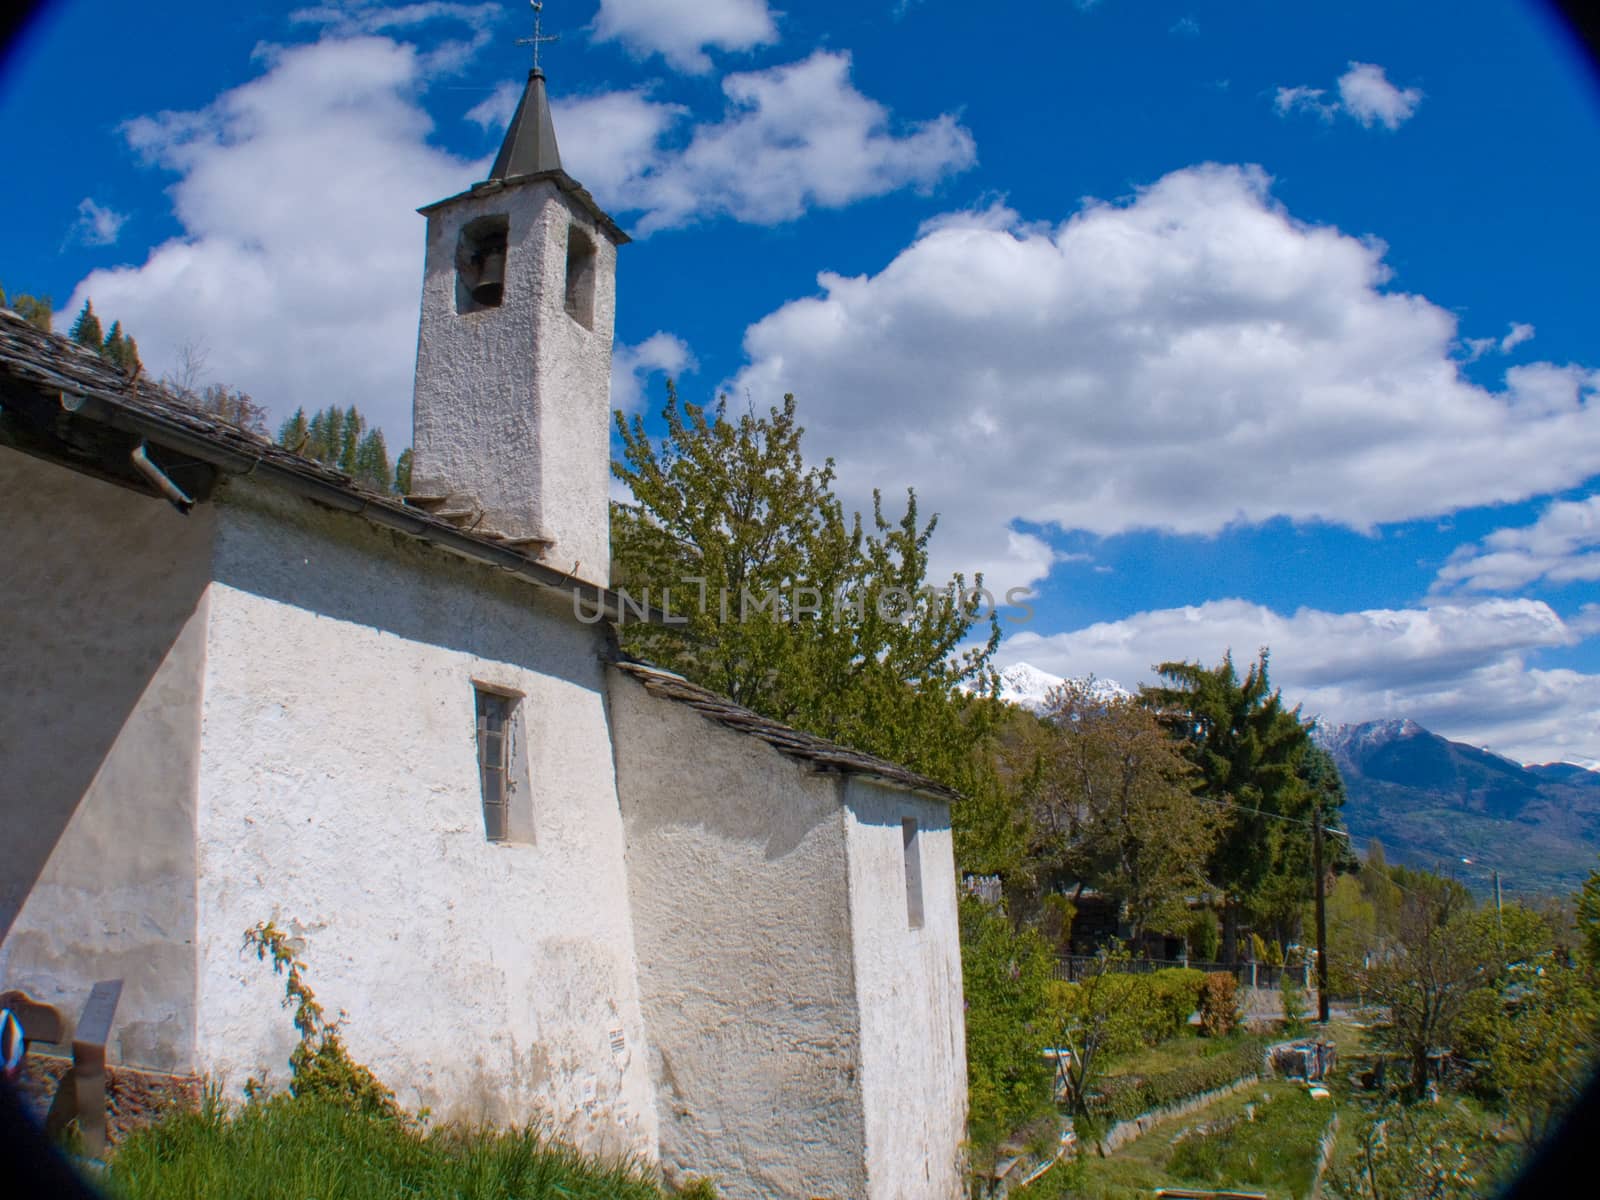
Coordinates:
(104, 641)
(736, 861)
(339, 797)
(908, 986)
(512, 408)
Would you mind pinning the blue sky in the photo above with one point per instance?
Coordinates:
(1218, 324)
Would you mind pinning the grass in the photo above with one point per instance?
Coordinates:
(1275, 1152)
(298, 1149)
(1180, 1052)
(1272, 1145)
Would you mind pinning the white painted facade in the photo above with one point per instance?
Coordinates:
(691, 948)
(339, 793)
(908, 984)
(805, 1039)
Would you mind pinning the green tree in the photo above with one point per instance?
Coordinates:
(1248, 748)
(86, 329)
(1416, 1153)
(1121, 814)
(341, 438)
(1543, 1049)
(38, 311)
(798, 612)
(1094, 1019)
(121, 351)
(1425, 981)
(372, 461)
(1352, 933)
(1588, 921)
(1005, 975)
(295, 432)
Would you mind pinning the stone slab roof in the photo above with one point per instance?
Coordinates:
(64, 402)
(819, 752)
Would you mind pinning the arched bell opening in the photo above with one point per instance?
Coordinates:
(481, 264)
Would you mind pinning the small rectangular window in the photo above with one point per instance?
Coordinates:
(494, 745)
(913, 853)
(581, 255)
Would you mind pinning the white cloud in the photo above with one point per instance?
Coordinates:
(1562, 546)
(1520, 332)
(355, 17)
(1369, 97)
(1185, 27)
(1304, 99)
(298, 264)
(1461, 670)
(793, 137)
(496, 110)
(96, 225)
(1476, 348)
(633, 366)
(680, 30)
(1187, 359)
(1365, 95)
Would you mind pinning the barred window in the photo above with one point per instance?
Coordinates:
(494, 746)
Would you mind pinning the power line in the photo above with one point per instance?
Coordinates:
(1261, 812)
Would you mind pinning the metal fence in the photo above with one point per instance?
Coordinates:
(1073, 967)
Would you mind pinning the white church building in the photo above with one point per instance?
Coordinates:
(544, 882)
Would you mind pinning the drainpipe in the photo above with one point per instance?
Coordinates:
(179, 499)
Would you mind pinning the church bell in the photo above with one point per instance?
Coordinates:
(491, 282)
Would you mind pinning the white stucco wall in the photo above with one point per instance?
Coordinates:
(339, 797)
(908, 984)
(512, 407)
(102, 620)
(736, 860)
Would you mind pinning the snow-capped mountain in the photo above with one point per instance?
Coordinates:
(1352, 741)
(1430, 800)
(1026, 685)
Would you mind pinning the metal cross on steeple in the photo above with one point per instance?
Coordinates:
(539, 37)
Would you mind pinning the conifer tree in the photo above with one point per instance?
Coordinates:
(1248, 748)
(341, 438)
(86, 329)
(372, 461)
(120, 350)
(295, 432)
(350, 434)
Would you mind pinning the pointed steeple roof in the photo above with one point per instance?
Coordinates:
(530, 145)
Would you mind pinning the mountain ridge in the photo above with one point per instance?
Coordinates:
(1433, 802)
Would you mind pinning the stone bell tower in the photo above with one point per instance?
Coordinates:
(512, 406)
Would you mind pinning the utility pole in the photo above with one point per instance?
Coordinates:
(1322, 913)
(1499, 927)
